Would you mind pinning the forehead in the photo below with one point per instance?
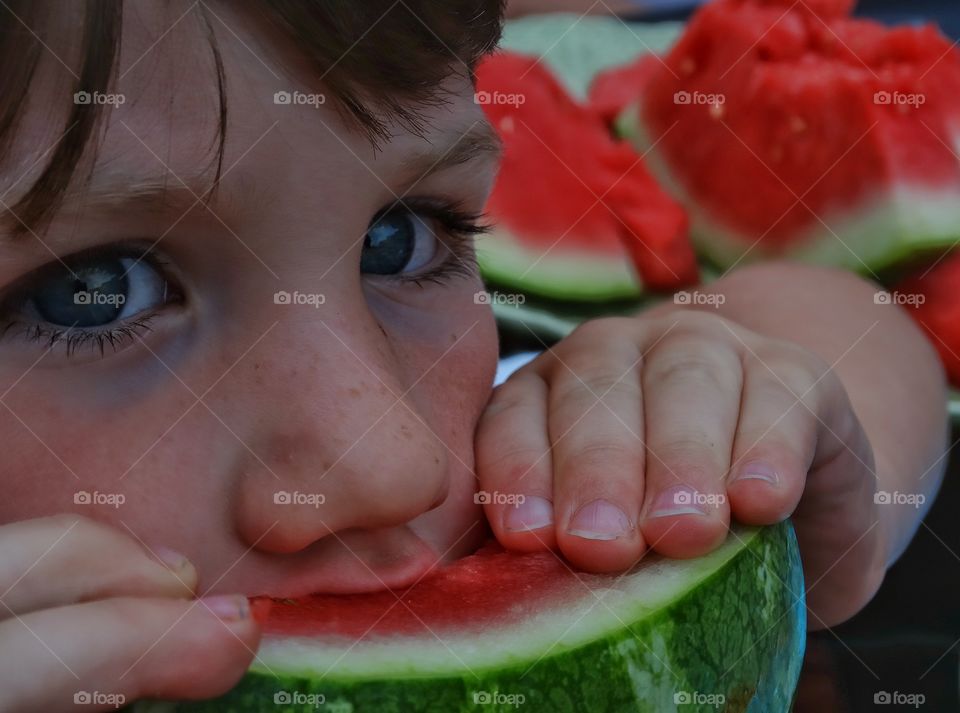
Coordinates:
(164, 119)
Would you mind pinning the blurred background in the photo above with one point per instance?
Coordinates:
(908, 638)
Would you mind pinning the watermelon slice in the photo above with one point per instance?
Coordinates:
(501, 631)
(572, 205)
(788, 129)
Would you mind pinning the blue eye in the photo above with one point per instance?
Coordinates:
(398, 242)
(94, 292)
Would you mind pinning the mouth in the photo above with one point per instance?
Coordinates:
(351, 563)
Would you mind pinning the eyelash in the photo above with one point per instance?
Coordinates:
(460, 227)
(97, 339)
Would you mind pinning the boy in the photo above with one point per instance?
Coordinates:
(239, 323)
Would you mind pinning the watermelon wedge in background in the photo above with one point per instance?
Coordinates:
(932, 298)
(572, 205)
(501, 631)
(792, 130)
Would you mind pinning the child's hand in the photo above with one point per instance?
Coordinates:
(651, 431)
(85, 608)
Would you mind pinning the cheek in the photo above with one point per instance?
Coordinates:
(63, 452)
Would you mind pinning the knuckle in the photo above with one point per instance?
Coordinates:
(695, 361)
(604, 454)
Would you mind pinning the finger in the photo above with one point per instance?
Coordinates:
(126, 647)
(776, 441)
(514, 464)
(64, 559)
(596, 424)
(692, 393)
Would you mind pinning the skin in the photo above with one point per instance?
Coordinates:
(380, 399)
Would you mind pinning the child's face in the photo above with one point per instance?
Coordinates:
(229, 400)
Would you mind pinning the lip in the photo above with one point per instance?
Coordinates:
(334, 567)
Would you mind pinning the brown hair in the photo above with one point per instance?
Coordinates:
(377, 57)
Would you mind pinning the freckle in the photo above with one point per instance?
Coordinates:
(383, 331)
(436, 460)
(453, 338)
(354, 392)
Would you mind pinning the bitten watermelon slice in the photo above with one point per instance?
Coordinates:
(573, 206)
(789, 129)
(501, 631)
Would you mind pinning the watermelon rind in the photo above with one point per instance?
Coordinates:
(577, 47)
(563, 273)
(725, 632)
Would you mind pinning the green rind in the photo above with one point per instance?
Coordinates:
(739, 633)
(577, 47)
(875, 236)
(561, 273)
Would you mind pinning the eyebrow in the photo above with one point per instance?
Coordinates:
(154, 193)
(479, 141)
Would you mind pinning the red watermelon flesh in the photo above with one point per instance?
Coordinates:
(568, 191)
(799, 128)
(491, 585)
(933, 300)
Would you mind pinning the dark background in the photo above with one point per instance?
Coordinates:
(907, 639)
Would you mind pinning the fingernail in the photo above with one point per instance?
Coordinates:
(171, 558)
(228, 607)
(678, 500)
(599, 520)
(758, 471)
(532, 513)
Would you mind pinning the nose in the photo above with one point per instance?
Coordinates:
(339, 444)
